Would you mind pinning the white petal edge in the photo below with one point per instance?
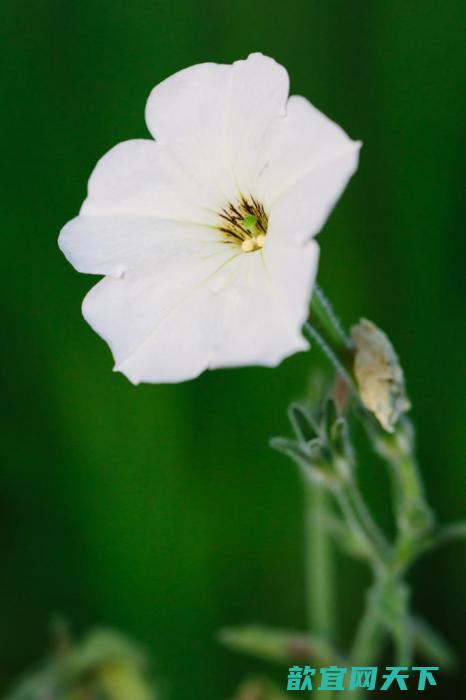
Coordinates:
(113, 245)
(228, 311)
(154, 318)
(303, 210)
(306, 163)
(213, 118)
(139, 177)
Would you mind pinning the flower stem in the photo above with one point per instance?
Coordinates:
(402, 635)
(319, 563)
(325, 328)
(366, 519)
(322, 308)
(365, 645)
(413, 514)
(388, 600)
(320, 573)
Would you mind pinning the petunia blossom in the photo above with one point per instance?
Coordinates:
(204, 234)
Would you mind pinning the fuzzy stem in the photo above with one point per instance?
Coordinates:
(387, 605)
(402, 635)
(324, 327)
(319, 563)
(365, 516)
(322, 307)
(413, 515)
(366, 642)
(320, 572)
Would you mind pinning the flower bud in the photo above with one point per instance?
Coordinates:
(379, 375)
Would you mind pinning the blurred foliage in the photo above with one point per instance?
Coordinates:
(259, 689)
(104, 666)
(161, 510)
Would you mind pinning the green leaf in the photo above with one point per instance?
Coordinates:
(302, 423)
(280, 646)
(449, 533)
(293, 449)
(104, 646)
(308, 458)
(104, 665)
(431, 645)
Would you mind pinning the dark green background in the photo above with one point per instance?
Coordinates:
(159, 509)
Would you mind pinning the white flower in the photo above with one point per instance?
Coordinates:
(205, 234)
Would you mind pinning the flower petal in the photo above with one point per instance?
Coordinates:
(259, 93)
(263, 314)
(292, 267)
(157, 320)
(170, 322)
(112, 245)
(306, 163)
(213, 118)
(139, 177)
(121, 226)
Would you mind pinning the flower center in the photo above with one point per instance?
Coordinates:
(244, 223)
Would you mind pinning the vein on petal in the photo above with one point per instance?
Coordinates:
(353, 146)
(118, 367)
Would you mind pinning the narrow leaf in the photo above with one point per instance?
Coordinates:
(302, 423)
(431, 645)
(281, 646)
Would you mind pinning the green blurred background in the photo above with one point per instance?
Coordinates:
(160, 510)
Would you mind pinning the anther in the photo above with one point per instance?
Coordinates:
(247, 245)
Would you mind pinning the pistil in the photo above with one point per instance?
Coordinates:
(244, 223)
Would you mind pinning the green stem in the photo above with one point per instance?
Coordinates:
(320, 573)
(366, 643)
(388, 600)
(319, 563)
(360, 534)
(413, 515)
(325, 328)
(339, 360)
(372, 529)
(366, 646)
(322, 310)
(403, 635)
(394, 609)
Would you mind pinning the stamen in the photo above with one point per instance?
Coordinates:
(244, 223)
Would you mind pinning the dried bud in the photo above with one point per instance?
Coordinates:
(378, 374)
